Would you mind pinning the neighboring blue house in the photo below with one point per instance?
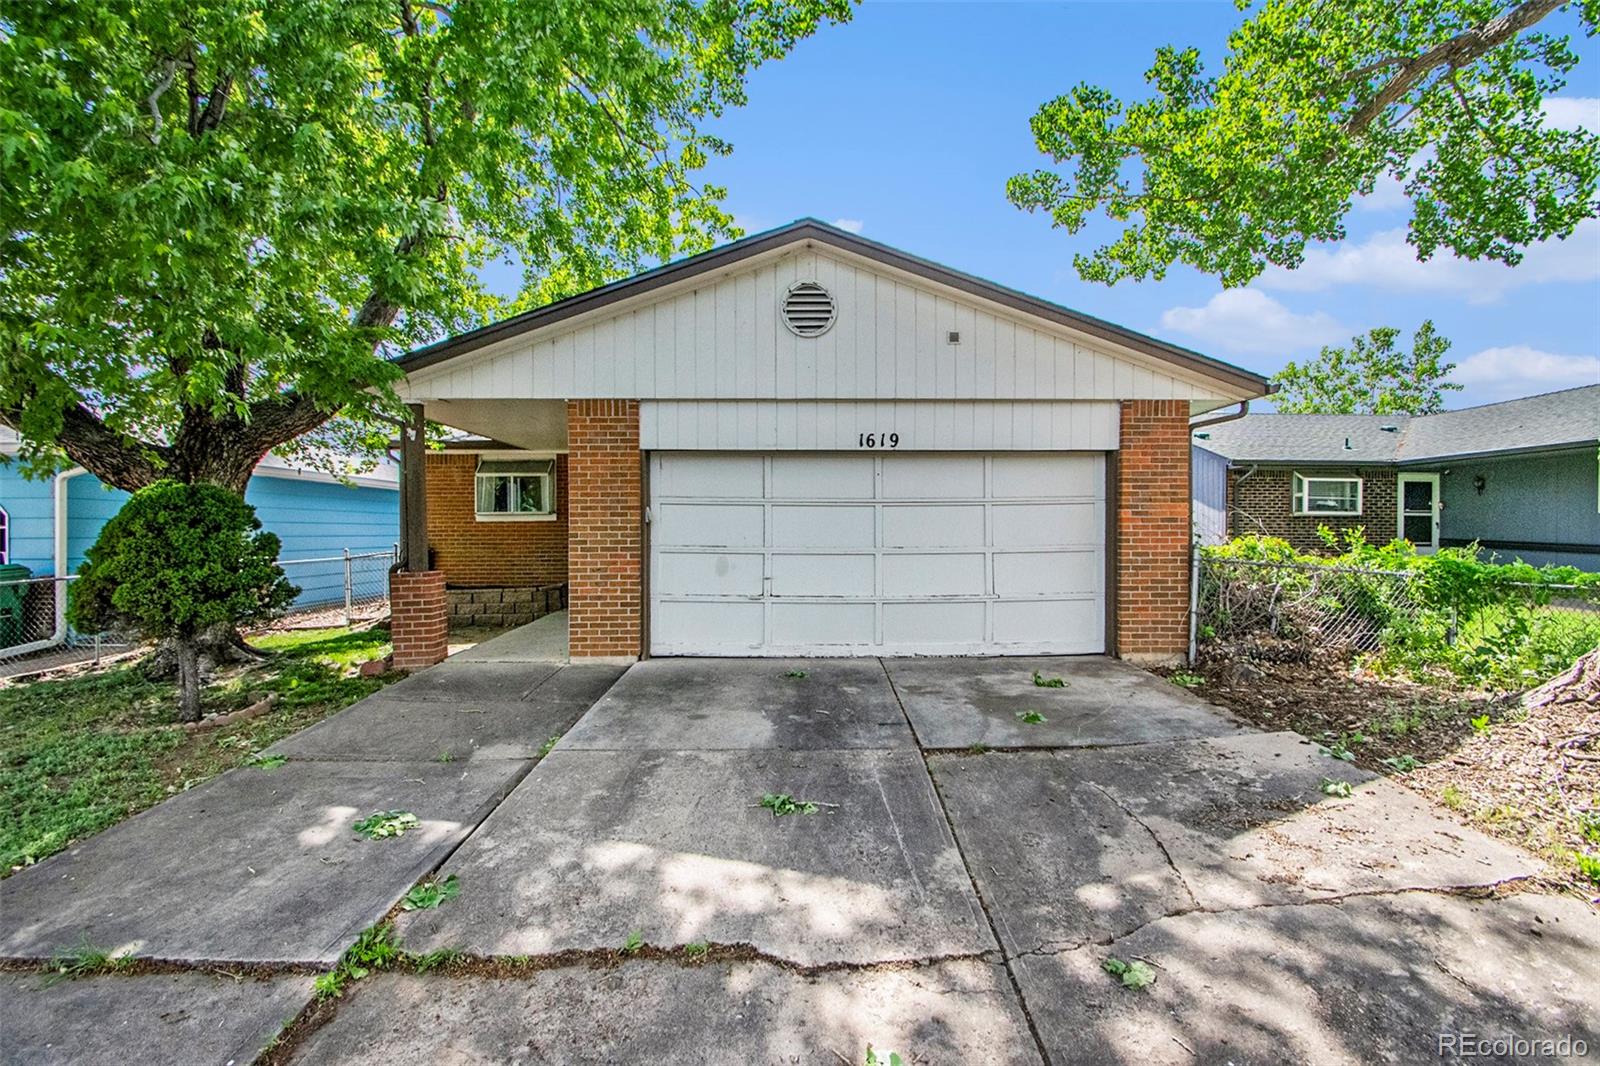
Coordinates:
(315, 515)
(1517, 478)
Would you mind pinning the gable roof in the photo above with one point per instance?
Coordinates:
(810, 229)
(1569, 418)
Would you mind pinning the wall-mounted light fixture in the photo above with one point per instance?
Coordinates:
(1479, 483)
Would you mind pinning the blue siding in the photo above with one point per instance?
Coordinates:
(313, 519)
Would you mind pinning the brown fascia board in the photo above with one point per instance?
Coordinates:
(822, 233)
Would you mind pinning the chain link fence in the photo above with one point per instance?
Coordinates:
(35, 636)
(1510, 632)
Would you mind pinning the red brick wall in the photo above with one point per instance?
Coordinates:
(604, 522)
(474, 552)
(418, 619)
(1263, 503)
(1153, 530)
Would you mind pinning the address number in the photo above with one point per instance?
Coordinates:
(878, 440)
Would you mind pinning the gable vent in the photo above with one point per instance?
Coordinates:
(808, 309)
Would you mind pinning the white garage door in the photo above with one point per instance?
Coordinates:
(805, 553)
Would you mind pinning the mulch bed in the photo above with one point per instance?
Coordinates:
(1529, 775)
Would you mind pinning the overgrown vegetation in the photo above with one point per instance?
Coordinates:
(1450, 616)
(80, 753)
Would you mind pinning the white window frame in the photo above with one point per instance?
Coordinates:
(5, 537)
(550, 491)
(1300, 491)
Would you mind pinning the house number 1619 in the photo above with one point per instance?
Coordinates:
(878, 440)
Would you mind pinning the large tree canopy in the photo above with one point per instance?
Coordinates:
(1371, 377)
(216, 216)
(1317, 101)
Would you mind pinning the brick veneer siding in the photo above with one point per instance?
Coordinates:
(604, 524)
(1153, 531)
(474, 552)
(418, 619)
(1263, 502)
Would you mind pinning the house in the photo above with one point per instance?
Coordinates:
(1518, 478)
(809, 443)
(48, 525)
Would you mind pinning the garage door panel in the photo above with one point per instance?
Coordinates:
(933, 525)
(813, 477)
(844, 526)
(932, 477)
(678, 525)
(820, 624)
(728, 627)
(1072, 625)
(712, 474)
(927, 625)
(1048, 573)
(1025, 475)
(707, 573)
(1019, 525)
(823, 575)
(945, 573)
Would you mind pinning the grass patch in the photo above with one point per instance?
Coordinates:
(80, 753)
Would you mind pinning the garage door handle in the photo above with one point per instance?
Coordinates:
(647, 516)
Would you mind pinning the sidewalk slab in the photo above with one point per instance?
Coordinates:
(392, 726)
(256, 865)
(717, 1014)
(1372, 979)
(956, 703)
(596, 845)
(1072, 846)
(154, 1019)
(544, 640)
(455, 680)
(745, 704)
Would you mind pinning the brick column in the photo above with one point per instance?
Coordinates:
(1153, 531)
(418, 618)
(604, 520)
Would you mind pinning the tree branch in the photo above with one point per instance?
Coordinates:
(153, 101)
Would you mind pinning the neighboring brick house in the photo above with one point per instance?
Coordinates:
(810, 443)
(1517, 478)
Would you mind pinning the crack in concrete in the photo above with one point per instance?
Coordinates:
(1154, 839)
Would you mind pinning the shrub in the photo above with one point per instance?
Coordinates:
(175, 561)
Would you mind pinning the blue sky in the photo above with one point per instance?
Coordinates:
(906, 122)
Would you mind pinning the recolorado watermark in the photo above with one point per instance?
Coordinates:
(1470, 1045)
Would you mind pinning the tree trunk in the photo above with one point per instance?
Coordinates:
(188, 679)
(215, 646)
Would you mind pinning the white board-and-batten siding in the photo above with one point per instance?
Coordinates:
(723, 339)
(821, 425)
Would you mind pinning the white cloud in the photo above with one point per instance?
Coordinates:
(1573, 112)
(1387, 195)
(849, 225)
(1518, 370)
(1247, 320)
(1385, 260)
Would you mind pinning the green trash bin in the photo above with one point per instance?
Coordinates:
(13, 600)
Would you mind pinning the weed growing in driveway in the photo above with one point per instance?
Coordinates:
(978, 749)
(445, 756)
(1334, 787)
(1135, 975)
(431, 894)
(795, 675)
(1032, 717)
(696, 950)
(634, 942)
(781, 803)
(381, 824)
(85, 960)
(1048, 682)
(263, 761)
(1184, 679)
(374, 949)
(434, 959)
(544, 749)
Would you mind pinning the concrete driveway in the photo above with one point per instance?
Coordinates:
(979, 846)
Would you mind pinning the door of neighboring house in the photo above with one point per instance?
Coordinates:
(1419, 511)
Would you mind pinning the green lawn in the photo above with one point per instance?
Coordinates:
(82, 753)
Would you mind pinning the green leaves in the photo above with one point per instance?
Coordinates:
(781, 803)
(1370, 377)
(1135, 975)
(1031, 718)
(1040, 681)
(380, 825)
(431, 894)
(1316, 103)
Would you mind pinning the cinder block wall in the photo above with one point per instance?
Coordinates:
(604, 529)
(1153, 530)
(1263, 503)
(472, 552)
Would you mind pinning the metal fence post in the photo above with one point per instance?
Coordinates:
(1194, 602)
(348, 587)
